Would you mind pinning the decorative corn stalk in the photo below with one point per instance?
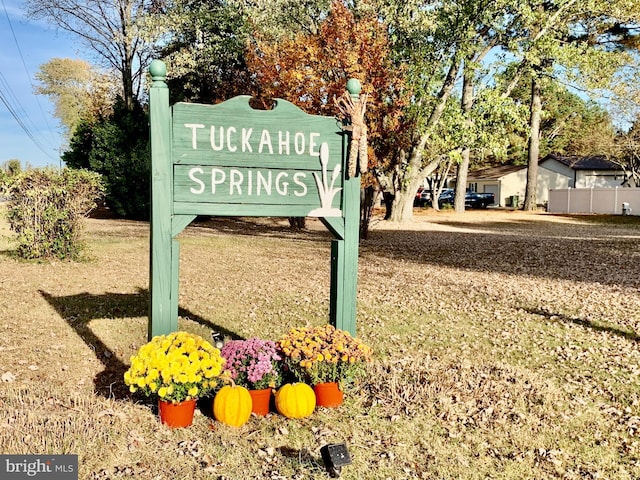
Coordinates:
(353, 111)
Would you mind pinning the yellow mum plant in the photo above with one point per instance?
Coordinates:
(175, 367)
(323, 354)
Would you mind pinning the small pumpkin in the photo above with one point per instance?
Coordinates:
(232, 405)
(295, 400)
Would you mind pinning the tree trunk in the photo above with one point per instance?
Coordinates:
(127, 86)
(409, 178)
(463, 167)
(388, 198)
(440, 182)
(402, 209)
(461, 181)
(534, 147)
(367, 197)
(125, 12)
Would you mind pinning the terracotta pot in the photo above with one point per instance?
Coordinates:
(176, 415)
(328, 394)
(261, 400)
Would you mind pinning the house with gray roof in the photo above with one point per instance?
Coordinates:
(508, 182)
(587, 172)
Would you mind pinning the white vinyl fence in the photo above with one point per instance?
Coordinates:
(595, 200)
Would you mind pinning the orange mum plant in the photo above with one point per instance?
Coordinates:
(323, 354)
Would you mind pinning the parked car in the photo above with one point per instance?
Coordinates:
(423, 197)
(446, 197)
(471, 199)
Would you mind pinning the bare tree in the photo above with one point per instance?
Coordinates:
(108, 28)
(626, 154)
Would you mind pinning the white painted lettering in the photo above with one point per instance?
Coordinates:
(235, 139)
(312, 144)
(192, 176)
(282, 186)
(248, 182)
(283, 143)
(217, 178)
(263, 182)
(235, 181)
(194, 136)
(217, 148)
(265, 139)
(246, 135)
(230, 146)
(299, 143)
(297, 179)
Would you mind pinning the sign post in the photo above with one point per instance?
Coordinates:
(231, 160)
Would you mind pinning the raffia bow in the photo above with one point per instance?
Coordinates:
(355, 110)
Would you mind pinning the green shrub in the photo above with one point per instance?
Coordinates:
(47, 208)
(117, 147)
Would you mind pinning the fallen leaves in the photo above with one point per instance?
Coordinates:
(506, 347)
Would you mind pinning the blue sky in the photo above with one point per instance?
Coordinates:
(24, 46)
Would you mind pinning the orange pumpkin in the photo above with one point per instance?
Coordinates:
(295, 400)
(232, 405)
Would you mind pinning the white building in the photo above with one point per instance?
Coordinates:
(508, 182)
(586, 172)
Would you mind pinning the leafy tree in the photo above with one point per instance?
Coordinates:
(435, 42)
(486, 41)
(117, 147)
(311, 71)
(109, 29)
(565, 37)
(76, 89)
(204, 42)
(570, 124)
(280, 19)
(203, 46)
(439, 43)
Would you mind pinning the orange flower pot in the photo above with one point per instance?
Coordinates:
(176, 415)
(261, 400)
(328, 394)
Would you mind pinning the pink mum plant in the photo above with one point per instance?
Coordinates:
(253, 363)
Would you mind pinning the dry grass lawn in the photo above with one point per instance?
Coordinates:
(507, 347)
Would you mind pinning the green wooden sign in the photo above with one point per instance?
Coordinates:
(231, 160)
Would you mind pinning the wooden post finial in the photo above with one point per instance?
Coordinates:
(158, 71)
(354, 87)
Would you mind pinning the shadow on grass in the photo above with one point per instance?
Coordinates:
(558, 254)
(78, 310)
(585, 323)
(273, 227)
